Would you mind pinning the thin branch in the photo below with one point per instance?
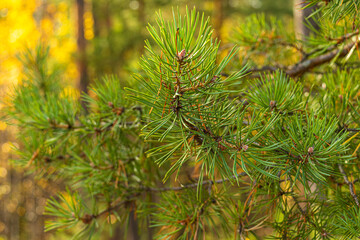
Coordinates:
(292, 45)
(351, 186)
(220, 140)
(352, 129)
(305, 65)
(344, 37)
(263, 69)
(299, 69)
(117, 110)
(338, 40)
(87, 218)
(81, 126)
(111, 208)
(275, 42)
(194, 185)
(298, 206)
(33, 157)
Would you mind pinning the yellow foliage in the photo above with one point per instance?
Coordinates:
(24, 24)
(70, 92)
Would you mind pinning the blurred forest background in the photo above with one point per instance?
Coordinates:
(87, 39)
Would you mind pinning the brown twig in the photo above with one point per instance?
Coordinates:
(188, 186)
(344, 37)
(109, 209)
(87, 218)
(33, 157)
(299, 69)
(306, 64)
(352, 129)
(351, 186)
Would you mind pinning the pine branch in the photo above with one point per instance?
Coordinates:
(351, 186)
(81, 126)
(117, 110)
(262, 69)
(87, 218)
(307, 216)
(33, 157)
(299, 69)
(298, 206)
(194, 185)
(338, 40)
(344, 37)
(199, 85)
(352, 129)
(218, 139)
(305, 65)
(194, 121)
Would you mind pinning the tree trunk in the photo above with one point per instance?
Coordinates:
(142, 24)
(81, 44)
(133, 227)
(302, 20)
(218, 17)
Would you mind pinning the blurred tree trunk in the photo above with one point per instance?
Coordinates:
(95, 13)
(218, 17)
(133, 227)
(301, 21)
(81, 44)
(109, 34)
(142, 23)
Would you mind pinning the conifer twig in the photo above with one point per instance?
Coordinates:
(299, 69)
(33, 157)
(87, 218)
(352, 129)
(194, 185)
(305, 65)
(351, 186)
(344, 37)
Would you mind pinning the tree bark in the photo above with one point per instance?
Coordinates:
(142, 23)
(302, 20)
(218, 17)
(133, 227)
(81, 45)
